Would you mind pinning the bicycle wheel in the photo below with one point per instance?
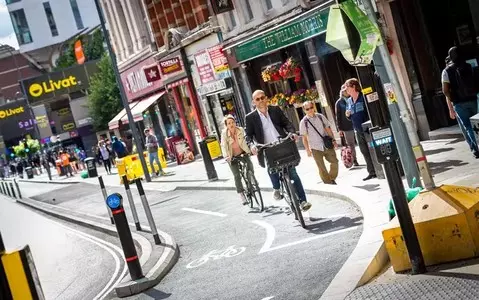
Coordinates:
(255, 191)
(294, 200)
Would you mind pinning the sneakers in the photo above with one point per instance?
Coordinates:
(243, 199)
(305, 205)
(277, 195)
(370, 176)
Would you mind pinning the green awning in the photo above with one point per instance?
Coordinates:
(337, 35)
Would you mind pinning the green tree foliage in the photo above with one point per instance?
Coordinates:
(104, 100)
(92, 48)
(33, 147)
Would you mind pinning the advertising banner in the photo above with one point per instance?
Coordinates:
(16, 120)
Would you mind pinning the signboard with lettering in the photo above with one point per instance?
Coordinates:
(205, 70)
(136, 82)
(219, 61)
(283, 36)
(384, 144)
(170, 66)
(15, 120)
(43, 121)
(58, 83)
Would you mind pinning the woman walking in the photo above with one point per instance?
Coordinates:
(104, 153)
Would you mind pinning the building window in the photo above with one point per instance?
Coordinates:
(20, 25)
(51, 20)
(232, 19)
(248, 11)
(12, 1)
(268, 5)
(76, 14)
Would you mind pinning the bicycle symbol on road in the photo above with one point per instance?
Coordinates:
(231, 251)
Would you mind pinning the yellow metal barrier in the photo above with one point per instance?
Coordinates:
(21, 275)
(131, 165)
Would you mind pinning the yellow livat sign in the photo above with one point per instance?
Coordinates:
(38, 89)
(11, 111)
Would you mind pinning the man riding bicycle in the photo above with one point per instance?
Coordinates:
(264, 125)
(233, 144)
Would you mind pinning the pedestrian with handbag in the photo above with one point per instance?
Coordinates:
(346, 130)
(319, 142)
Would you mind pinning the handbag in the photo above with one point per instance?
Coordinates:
(327, 140)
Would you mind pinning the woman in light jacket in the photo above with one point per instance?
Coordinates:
(233, 143)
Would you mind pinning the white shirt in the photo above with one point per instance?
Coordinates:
(315, 141)
(269, 131)
(444, 76)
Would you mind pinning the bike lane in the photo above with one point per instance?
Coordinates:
(228, 251)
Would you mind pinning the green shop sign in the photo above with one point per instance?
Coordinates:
(283, 36)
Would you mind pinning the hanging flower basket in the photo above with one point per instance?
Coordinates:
(298, 97)
(271, 73)
(291, 69)
(312, 94)
(280, 99)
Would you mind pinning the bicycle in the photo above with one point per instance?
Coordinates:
(249, 181)
(280, 157)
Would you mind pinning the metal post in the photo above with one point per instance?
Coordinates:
(18, 188)
(7, 189)
(49, 171)
(2, 188)
(132, 203)
(405, 114)
(13, 190)
(103, 191)
(115, 204)
(147, 208)
(126, 105)
(404, 217)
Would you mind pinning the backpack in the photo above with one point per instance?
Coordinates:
(346, 154)
(462, 82)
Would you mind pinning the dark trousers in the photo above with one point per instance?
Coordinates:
(298, 185)
(107, 164)
(236, 173)
(363, 146)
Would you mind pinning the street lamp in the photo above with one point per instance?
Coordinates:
(126, 105)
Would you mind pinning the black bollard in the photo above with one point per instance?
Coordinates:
(4, 287)
(18, 188)
(13, 190)
(2, 188)
(147, 209)
(115, 204)
(103, 191)
(209, 165)
(131, 202)
(7, 189)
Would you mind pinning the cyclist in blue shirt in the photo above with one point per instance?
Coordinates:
(357, 112)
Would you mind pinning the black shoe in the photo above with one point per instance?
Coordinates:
(356, 164)
(475, 154)
(370, 176)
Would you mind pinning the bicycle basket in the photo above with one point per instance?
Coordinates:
(282, 156)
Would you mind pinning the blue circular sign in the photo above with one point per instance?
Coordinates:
(113, 201)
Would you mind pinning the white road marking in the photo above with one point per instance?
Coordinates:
(215, 255)
(268, 298)
(102, 244)
(205, 212)
(271, 233)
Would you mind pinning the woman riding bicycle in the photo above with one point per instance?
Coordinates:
(233, 144)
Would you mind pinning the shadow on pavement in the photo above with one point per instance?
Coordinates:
(440, 167)
(455, 141)
(368, 187)
(156, 294)
(437, 151)
(327, 225)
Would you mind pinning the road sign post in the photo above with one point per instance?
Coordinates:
(148, 213)
(115, 204)
(131, 202)
(387, 154)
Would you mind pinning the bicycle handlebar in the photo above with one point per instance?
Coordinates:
(280, 140)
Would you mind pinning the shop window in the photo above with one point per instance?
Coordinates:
(50, 18)
(20, 25)
(76, 14)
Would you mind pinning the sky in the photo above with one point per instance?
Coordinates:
(7, 35)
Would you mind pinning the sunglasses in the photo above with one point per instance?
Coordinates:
(308, 108)
(260, 98)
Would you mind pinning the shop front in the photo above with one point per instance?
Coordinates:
(186, 110)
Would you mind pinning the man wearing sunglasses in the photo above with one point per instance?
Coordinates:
(264, 125)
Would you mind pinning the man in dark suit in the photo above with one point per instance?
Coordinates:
(264, 125)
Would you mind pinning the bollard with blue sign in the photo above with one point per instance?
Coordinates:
(387, 154)
(115, 203)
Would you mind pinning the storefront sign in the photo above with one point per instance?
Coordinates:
(42, 120)
(15, 120)
(203, 64)
(59, 83)
(212, 87)
(152, 73)
(219, 61)
(136, 82)
(283, 36)
(171, 65)
(222, 6)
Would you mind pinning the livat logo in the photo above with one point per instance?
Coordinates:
(10, 112)
(38, 89)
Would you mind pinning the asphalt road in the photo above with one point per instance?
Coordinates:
(72, 262)
(229, 251)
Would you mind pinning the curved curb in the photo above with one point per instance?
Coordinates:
(165, 263)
